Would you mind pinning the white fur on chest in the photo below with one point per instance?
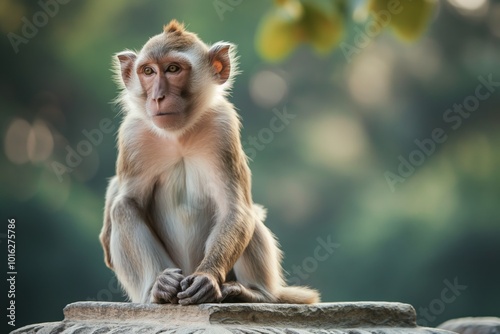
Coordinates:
(185, 207)
(190, 190)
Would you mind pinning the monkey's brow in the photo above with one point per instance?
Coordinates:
(160, 56)
(160, 51)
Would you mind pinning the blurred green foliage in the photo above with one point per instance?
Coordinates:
(292, 22)
(322, 176)
(411, 17)
(321, 23)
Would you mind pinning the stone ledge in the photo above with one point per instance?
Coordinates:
(338, 318)
(341, 315)
(473, 325)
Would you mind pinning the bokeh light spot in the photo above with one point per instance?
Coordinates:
(370, 80)
(40, 142)
(471, 7)
(16, 141)
(268, 88)
(336, 141)
(468, 4)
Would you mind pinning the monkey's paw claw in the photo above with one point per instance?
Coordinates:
(166, 286)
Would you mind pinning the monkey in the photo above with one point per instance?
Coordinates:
(180, 225)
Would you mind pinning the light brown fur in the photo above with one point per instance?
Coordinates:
(180, 225)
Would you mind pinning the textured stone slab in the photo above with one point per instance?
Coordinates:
(485, 325)
(338, 318)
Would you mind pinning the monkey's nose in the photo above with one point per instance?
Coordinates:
(158, 100)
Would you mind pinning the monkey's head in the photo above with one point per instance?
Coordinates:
(174, 77)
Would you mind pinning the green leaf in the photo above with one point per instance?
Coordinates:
(277, 36)
(323, 31)
(409, 19)
(293, 23)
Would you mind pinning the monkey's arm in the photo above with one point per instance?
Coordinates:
(228, 238)
(226, 243)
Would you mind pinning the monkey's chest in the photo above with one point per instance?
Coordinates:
(184, 212)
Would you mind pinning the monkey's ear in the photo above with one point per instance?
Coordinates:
(127, 60)
(220, 60)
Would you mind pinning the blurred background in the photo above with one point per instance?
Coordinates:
(385, 158)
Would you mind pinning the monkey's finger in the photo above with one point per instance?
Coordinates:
(196, 284)
(168, 281)
(171, 290)
(171, 279)
(198, 298)
(177, 277)
(189, 292)
(201, 291)
(172, 270)
(163, 293)
(206, 294)
(186, 282)
(186, 301)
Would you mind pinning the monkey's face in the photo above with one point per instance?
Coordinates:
(174, 78)
(166, 90)
(160, 84)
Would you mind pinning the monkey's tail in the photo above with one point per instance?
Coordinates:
(298, 295)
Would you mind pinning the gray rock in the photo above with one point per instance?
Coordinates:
(324, 318)
(485, 325)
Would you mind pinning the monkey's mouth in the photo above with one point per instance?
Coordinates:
(166, 114)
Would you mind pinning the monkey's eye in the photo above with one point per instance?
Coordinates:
(173, 68)
(148, 70)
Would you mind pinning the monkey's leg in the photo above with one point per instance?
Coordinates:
(259, 276)
(105, 234)
(138, 257)
(258, 271)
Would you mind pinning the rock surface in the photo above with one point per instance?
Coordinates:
(324, 318)
(485, 325)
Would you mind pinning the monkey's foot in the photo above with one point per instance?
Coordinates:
(230, 291)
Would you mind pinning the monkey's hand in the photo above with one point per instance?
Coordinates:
(199, 288)
(166, 286)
